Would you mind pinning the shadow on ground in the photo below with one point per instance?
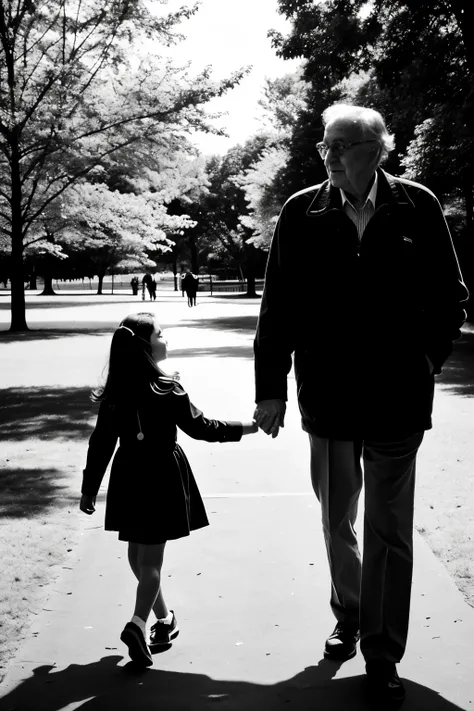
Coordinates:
(51, 302)
(103, 685)
(47, 334)
(240, 324)
(458, 372)
(45, 413)
(236, 324)
(26, 493)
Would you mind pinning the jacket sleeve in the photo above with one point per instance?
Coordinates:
(101, 448)
(443, 292)
(274, 339)
(192, 421)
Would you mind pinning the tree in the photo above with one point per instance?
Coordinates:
(219, 229)
(418, 58)
(112, 227)
(80, 80)
(282, 99)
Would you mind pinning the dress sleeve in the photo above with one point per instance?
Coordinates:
(192, 421)
(101, 448)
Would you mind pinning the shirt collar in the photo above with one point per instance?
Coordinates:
(372, 196)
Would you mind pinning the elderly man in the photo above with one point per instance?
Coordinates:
(383, 308)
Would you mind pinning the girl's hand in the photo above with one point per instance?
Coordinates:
(87, 504)
(249, 427)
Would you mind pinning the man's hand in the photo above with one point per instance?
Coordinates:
(87, 504)
(270, 416)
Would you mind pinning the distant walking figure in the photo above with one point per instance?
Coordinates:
(134, 285)
(190, 284)
(147, 282)
(153, 286)
(385, 304)
(152, 495)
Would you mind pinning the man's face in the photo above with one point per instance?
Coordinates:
(353, 169)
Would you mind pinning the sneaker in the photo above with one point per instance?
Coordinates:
(138, 650)
(341, 644)
(161, 633)
(385, 687)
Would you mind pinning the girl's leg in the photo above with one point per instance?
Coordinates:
(149, 563)
(159, 608)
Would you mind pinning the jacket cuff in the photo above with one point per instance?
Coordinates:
(233, 432)
(85, 489)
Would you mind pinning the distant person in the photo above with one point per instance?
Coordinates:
(147, 283)
(190, 284)
(152, 495)
(369, 331)
(153, 286)
(134, 285)
(181, 282)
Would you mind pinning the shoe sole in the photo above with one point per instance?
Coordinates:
(173, 634)
(135, 649)
(335, 657)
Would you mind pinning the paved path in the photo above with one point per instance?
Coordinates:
(250, 591)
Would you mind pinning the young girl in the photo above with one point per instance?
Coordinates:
(152, 495)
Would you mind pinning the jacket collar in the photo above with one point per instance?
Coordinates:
(390, 190)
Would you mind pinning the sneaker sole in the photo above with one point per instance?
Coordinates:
(135, 649)
(173, 634)
(339, 657)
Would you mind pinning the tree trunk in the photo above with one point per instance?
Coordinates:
(99, 286)
(32, 280)
(251, 293)
(194, 254)
(18, 314)
(48, 286)
(175, 272)
(250, 271)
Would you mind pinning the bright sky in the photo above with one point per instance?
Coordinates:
(229, 34)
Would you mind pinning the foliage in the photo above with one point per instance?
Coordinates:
(79, 81)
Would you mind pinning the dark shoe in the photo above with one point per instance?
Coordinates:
(138, 650)
(341, 644)
(162, 633)
(385, 687)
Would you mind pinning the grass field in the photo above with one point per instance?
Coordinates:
(46, 418)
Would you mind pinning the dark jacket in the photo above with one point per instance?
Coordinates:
(150, 480)
(190, 284)
(363, 323)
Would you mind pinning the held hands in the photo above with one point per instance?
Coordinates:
(270, 416)
(87, 504)
(249, 428)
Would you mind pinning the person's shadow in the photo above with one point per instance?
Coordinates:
(104, 686)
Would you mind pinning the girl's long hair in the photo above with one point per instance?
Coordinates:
(131, 368)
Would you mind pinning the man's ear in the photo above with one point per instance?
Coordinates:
(377, 155)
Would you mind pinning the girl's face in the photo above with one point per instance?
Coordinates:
(158, 344)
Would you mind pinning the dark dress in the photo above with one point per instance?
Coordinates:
(152, 495)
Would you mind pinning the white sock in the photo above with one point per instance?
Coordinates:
(139, 623)
(166, 620)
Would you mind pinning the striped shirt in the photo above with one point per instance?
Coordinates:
(360, 217)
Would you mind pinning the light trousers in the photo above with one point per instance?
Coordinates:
(372, 591)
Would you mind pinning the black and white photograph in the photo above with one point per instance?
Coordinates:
(237, 355)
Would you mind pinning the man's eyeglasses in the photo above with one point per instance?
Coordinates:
(339, 147)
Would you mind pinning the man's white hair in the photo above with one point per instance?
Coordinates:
(370, 121)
